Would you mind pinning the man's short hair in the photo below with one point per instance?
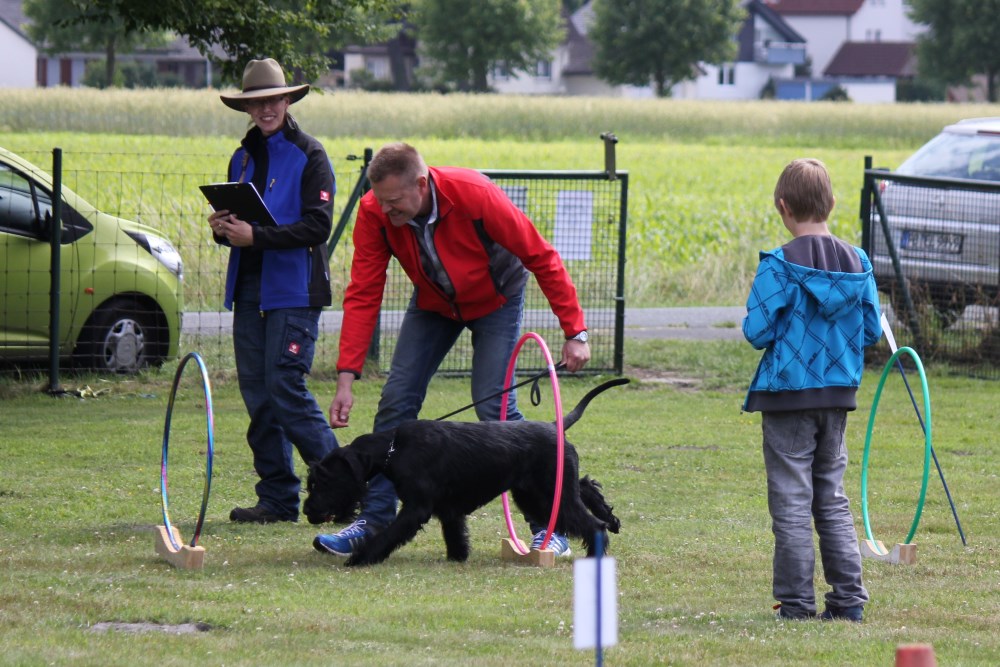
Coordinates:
(805, 187)
(397, 159)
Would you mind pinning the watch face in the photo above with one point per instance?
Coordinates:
(583, 337)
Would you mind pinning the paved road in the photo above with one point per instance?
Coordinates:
(711, 323)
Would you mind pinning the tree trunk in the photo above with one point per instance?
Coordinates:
(479, 82)
(109, 63)
(660, 86)
(991, 85)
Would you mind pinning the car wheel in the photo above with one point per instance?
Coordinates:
(121, 337)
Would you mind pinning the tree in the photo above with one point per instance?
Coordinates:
(468, 39)
(638, 42)
(962, 40)
(293, 32)
(51, 26)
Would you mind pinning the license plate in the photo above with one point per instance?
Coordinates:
(939, 242)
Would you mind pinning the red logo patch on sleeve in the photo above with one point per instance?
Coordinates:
(324, 195)
(294, 348)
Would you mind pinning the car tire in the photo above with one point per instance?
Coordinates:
(121, 336)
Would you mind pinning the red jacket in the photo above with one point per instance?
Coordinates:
(476, 223)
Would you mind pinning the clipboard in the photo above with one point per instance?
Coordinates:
(240, 199)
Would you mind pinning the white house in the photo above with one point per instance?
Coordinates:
(768, 49)
(827, 25)
(569, 71)
(799, 48)
(17, 52)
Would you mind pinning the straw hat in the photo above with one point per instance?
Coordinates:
(264, 78)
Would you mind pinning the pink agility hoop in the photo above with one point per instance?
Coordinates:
(560, 439)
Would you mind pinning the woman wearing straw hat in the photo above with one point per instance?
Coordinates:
(276, 285)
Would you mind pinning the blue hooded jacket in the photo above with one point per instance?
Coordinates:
(813, 308)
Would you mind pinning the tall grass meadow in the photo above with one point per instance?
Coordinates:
(701, 173)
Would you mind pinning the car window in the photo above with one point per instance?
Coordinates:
(22, 205)
(951, 155)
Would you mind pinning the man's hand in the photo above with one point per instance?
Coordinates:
(340, 407)
(575, 355)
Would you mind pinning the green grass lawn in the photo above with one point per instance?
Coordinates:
(79, 499)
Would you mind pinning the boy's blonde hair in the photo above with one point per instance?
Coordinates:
(805, 187)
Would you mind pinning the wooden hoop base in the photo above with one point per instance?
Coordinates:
(904, 554)
(186, 558)
(510, 553)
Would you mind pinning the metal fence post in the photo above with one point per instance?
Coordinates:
(55, 245)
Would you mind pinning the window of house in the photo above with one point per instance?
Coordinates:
(727, 74)
(378, 68)
(543, 69)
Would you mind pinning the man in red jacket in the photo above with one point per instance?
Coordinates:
(468, 251)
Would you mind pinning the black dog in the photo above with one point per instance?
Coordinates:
(450, 469)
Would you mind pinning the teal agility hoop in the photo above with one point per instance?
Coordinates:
(927, 443)
(209, 449)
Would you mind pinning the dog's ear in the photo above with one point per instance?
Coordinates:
(358, 470)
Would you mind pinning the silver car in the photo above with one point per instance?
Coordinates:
(945, 222)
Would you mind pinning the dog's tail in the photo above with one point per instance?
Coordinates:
(574, 416)
(593, 499)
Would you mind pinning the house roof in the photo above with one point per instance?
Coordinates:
(895, 59)
(12, 14)
(816, 7)
(579, 49)
(761, 9)
(747, 37)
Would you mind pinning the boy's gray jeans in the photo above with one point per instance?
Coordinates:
(805, 457)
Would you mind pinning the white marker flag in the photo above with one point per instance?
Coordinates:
(585, 603)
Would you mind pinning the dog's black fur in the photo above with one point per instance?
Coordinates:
(450, 469)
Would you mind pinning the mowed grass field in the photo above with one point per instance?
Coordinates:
(80, 497)
(80, 477)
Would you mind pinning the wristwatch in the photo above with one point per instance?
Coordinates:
(583, 336)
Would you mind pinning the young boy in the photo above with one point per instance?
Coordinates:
(813, 308)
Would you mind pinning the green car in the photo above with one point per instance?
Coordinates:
(120, 281)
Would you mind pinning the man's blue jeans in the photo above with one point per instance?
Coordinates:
(274, 353)
(805, 456)
(424, 340)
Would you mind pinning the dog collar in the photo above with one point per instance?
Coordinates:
(388, 454)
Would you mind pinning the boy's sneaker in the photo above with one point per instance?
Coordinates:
(346, 541)
(852, 614)
(255, 514)
(783, 615)
(557, 543)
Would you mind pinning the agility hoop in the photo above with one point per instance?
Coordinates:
(170, 531)
(927, 444)
(560, 440)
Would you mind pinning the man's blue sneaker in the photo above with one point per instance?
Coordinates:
(852, 614)
(557, 543)
(346, 541)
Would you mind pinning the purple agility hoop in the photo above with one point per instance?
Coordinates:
(560, 439)
(210, 449)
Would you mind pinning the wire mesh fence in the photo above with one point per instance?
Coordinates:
(935, 248)
(122, 288)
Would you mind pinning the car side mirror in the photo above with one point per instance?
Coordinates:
(44, 224)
